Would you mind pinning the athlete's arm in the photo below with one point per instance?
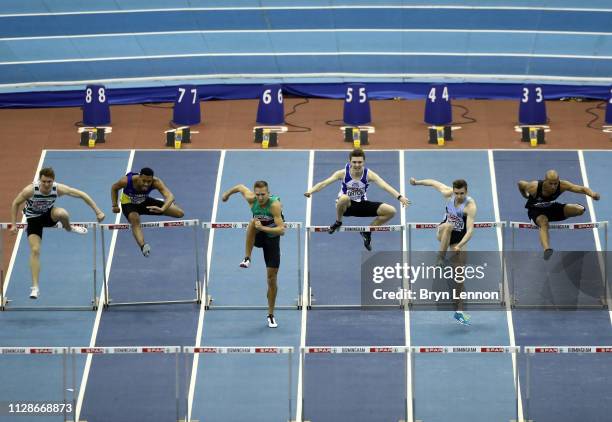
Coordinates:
(470, 213)
(380, 182)
(446, 191)
(117, 186)
(75, 193)
(331, 179)
(247, 194)
(524, 187)
(168, 196)
(565, 185)
(276, 211)
(23, 196)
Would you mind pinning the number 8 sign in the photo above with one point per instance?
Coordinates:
(96, 111)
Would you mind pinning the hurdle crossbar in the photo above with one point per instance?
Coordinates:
(245, 350)
(477, 225)
(605, 299)
(209, 226)
(5, 301)
(360, 229)
(156, 224)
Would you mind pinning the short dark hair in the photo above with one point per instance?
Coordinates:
(357, 152)
(47, 171)
(261, 184)
(459, 183)
(147, 171)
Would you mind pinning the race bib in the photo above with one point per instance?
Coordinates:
(457, 222)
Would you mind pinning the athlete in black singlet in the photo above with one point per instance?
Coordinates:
(542, 207)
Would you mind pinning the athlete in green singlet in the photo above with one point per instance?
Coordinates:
(264, 232)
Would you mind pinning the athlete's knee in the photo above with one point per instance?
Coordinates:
(344, 200)
(134, 218)
(542, 221)
(180, 213)
(60, 213)
(578, 209)
(446, 228)
(386, 210)
(35, 250)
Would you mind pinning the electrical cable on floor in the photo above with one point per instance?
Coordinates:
(595, 115)
(297, 127)
(467, 119)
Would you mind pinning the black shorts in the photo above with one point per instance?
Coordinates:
(36, 224)
(362, 209)
(141, 208)
(554, 212)
(456, 236)
(271, 248)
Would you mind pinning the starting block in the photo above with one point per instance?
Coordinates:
(267, 136)
(358, 135)
(176, 137)
(534, 134)
(90, 136)
(438, 135)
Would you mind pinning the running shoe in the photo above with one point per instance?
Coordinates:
(367, 240)
(146, 249)
(335, 226)
(78, 229)
(34, 292)
(272, 321)
(547, 254)
(462, 318)
(246, 262)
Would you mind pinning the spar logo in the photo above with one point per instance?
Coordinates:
(92, 350)
(427, 226)
(584, 226)
(266, 350)
(381, 349)
(604, 350)
(174, 224)
(153, 350)
(206, 350)
(492, 349)
(547, 350)
(319, 350)
(223, 226)
(41, 351)
(431, 350)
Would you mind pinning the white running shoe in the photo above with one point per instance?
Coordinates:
(272, 321)
(34, 292)
(246, 262)
(146, 249)
(78, 229)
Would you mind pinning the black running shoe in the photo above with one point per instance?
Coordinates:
(547, 254)
(335, 226)
(367, 240)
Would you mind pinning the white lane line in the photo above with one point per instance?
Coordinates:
(585, 180)
(311, 54)
(209, 249)
(330, 7)
(9, 269)
(508, 300)
(314, 31)
(94, 333)
(298, 407)
(286, 78)
(409, 392)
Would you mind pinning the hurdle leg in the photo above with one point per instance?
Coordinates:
(95, 274)
(198, 284)
(104, 279)
(299, 269)
(308, 285)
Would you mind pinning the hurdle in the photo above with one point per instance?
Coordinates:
(355, 350)
(455, 350)
(532, 352)
(209, 226)
(157, 224)
(604, 299)
(239, 350)
(89, 352)
(477, 225)
(367, 229)
(5, 301)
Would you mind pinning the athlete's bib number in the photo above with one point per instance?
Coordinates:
(456, 221)
(354, 193)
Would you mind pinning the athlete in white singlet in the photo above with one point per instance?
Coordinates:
(352, 199)
(40, 211)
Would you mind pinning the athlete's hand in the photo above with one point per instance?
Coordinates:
(595, 196)
(307, 194)
(413, 181)
(116, 209)
(257, 224)
(100, 216)
(154, 209)
(456, 248)
(225, 197)
(405, 201)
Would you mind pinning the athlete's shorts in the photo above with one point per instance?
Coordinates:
(554, 212)
(271, 248)
(362, 209)
(141, 208)
(456, 235)
(36, 224)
